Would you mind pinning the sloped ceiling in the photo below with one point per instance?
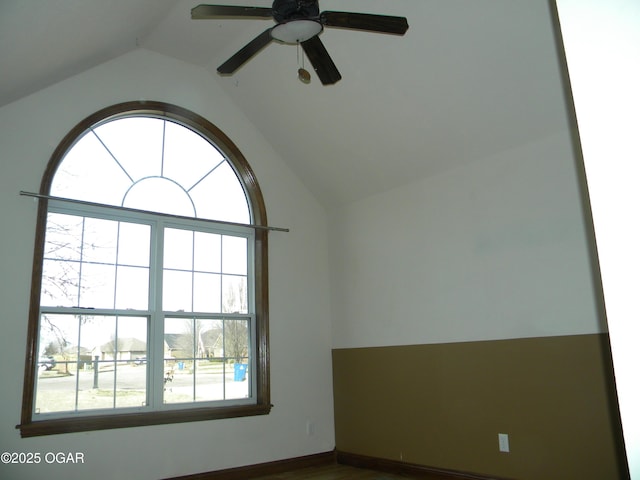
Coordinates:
(469, 79)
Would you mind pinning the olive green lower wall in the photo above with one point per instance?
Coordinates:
(443, 406)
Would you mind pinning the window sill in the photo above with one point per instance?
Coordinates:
(105, 422)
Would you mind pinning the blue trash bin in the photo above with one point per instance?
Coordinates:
(180, 365)
(239, 372)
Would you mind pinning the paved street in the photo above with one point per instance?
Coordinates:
(56, 392)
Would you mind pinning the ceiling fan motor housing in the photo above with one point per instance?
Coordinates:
(287, 10)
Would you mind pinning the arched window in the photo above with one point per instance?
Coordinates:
(149, 296)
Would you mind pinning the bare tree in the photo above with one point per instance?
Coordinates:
(64, 247)
(236, 339)
(191, 342)
(236, 332)
(63, 242)
(52, 348)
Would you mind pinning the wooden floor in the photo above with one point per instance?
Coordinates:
(336, 472)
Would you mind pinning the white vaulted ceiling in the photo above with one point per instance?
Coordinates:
(469, 79)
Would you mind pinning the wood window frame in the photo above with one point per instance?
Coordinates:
(28, 426)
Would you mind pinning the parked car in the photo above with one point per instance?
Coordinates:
(140, 361)
(47, 363)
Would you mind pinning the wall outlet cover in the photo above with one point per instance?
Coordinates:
(503, 442)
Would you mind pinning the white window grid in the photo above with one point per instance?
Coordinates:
(155, 313)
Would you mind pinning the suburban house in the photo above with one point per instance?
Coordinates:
(209, 345)
(437, 282)
(127, 349)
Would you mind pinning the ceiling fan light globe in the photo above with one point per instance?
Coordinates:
(296, 31)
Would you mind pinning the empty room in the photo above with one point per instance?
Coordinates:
(250, 238)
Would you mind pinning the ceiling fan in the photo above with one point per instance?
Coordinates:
(298, 22)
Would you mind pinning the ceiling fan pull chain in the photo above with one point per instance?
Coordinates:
(303, 75)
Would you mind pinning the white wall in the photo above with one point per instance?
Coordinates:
(494, 250)
(602, 42)
(30, 129)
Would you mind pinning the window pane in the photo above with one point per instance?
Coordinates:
(174, 329)
(236, 341)
(60, 283)
(209, 369)
(211, 338)
(131, 372)
(57, 363)
(63, 237)
(97, 286)
(134, 243)
(181, 344)
(159, 194)
(207, 360)
(209, 380)
(178, 382)
(90, 398)
(89, 172)
(220, 196)
(234, 294)
(136, 143)
(177, 291)
(207, 252)
(132, 288)
(202, 157)
(178, 249)
(62, 252)
(131, 383)
(206, 292)
(234, 255)
(99, 240)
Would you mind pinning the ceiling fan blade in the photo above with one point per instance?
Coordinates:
(245, 53)
(365, 21)
(229, 11)
(321, 61)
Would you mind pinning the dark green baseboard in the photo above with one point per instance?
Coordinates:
(403, 468)
(333, 457)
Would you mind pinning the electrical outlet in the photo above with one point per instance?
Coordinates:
(503, 442)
